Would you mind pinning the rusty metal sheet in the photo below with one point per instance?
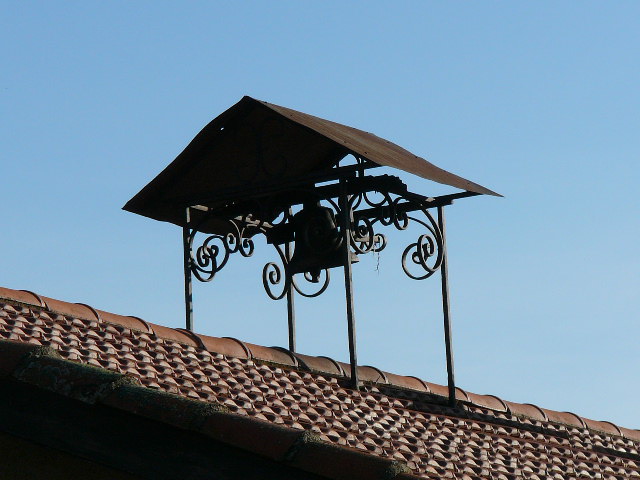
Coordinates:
(379, 150)
(255, 143)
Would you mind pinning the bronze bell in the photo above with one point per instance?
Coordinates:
(318, 241)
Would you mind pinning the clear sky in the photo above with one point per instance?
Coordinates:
(539, 101)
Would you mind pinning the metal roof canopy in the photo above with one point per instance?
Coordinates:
(243, 173)
(260, 147)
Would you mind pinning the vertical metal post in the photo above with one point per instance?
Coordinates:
(188, 295)
(345, 221)
(291, 309)
(444, 275)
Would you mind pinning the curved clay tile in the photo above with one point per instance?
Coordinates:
(173, 334)
(319, 364)
(22, 296)
(243, 345)
(196, 338)
(271, 355)
(487, 401)
(606, 427)
(132, 323)
(438, 389)
(224, 346)
(413, 383)
(567, 418)
(71, 309)
(461, 394)
(337, 365)
(371, 374)
(629, 433)
(236, 348)
(527, 409)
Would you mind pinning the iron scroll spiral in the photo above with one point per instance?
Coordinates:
(426, 252)
(364, 238)
(420, 259)
(214, 253)
(274, 274)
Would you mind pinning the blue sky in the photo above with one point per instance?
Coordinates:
(538, 101)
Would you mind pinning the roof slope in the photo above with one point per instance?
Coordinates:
(300, 407)
(378, 150)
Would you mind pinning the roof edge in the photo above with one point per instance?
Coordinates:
(43, 368)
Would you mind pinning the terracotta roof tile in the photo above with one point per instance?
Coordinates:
(264, 399)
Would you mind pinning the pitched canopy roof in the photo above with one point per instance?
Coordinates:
(255, 144)
(294, 409)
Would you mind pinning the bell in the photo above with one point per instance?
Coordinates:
(318, 242)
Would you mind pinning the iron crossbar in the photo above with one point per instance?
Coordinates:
(275, 187)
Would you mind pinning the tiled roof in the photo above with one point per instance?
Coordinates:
(298, 409)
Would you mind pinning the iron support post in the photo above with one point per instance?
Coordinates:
(345, 220)
(188, 294)
(291, 309)
(444, 275)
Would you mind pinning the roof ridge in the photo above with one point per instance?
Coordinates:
(321, 365)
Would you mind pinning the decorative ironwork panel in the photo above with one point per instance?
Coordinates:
(313, 234)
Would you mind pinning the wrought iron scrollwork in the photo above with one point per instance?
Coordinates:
(367, 211)
(426, 252)
(364, 239)
(277, 273)
(274, 275)
(214, 252)
(424, 255)
(322, 281)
